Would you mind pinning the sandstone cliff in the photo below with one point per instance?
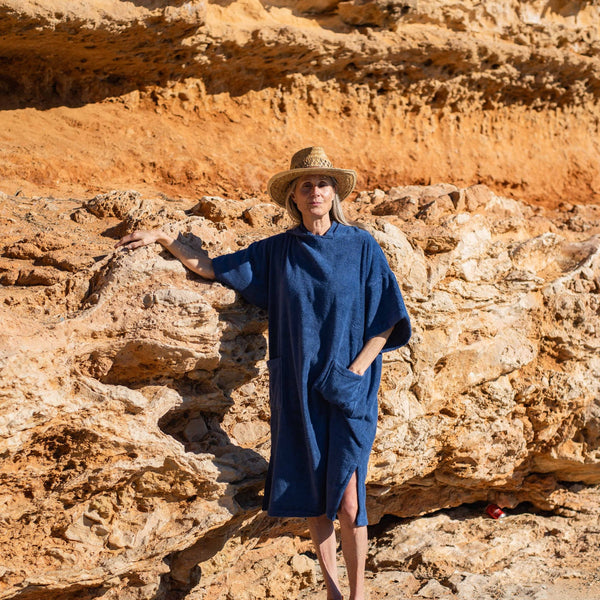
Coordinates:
(134, 430)
(183, 95)
(135, 410)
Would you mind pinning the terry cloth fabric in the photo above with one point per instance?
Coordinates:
(325, 296)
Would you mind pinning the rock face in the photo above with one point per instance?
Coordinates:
(134, 433)
(183, 96)
(134, 395)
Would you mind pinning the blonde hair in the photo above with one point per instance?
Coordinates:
(335, 214)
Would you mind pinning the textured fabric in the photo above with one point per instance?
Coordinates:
(326, 296)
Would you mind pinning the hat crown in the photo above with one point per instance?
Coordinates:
(309, 158)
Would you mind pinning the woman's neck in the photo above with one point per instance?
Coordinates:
(318, 226)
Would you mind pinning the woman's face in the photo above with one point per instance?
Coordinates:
(314, 196)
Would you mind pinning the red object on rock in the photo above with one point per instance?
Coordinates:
(495, 511)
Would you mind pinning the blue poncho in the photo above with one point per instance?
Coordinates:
(325, 296)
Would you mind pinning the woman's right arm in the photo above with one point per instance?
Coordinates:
(199, 263)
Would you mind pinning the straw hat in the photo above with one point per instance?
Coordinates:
(310, 161)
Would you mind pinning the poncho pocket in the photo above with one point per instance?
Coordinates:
(343, 388)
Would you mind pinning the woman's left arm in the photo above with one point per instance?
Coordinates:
(369, 352)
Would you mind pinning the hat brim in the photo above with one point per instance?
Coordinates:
(278, 184)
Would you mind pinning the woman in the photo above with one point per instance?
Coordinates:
(334, 305)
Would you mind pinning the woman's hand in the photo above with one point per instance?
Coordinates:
(355, 369)
(137, 239)
(197, 261)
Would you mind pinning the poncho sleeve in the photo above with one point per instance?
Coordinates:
(246, 271)
(384, 304)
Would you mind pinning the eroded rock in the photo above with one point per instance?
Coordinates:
(135, 425)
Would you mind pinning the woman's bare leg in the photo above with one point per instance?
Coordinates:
(354, 541)
(323, 537)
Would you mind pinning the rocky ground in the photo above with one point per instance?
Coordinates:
(460, 553)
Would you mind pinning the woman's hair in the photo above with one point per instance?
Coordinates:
(335, 214)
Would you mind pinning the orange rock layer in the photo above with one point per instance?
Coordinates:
(193, 98)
